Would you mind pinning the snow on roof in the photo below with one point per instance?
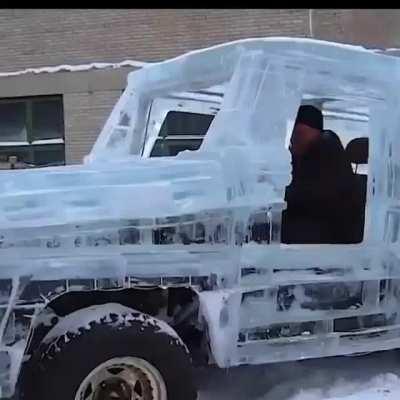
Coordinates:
(75, 68)
(140, 64)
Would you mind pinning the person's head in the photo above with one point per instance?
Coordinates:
(307, 130)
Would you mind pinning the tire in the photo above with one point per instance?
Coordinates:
(60, 367)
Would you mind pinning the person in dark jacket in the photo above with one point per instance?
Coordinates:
(320, 199)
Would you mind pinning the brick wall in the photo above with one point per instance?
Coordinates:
(31, 38)
(371, 28)
(84, 116)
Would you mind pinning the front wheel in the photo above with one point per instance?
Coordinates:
(128, 357)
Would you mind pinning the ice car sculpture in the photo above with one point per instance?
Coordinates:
(80, 243)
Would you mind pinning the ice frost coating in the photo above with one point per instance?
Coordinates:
(104, 314)
(223, 324)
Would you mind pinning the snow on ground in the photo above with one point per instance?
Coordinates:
(385, 386)
(371, 377)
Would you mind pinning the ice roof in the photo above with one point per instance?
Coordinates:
(294, 48)
(347, 71)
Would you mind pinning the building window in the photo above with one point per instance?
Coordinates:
(32, 132)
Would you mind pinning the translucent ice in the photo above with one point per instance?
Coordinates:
(122, 215)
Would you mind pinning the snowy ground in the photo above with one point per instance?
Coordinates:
(371, 377)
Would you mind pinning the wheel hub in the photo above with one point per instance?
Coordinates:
(113, 389)
(123, 379)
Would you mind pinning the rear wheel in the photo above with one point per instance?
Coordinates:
(129, 357)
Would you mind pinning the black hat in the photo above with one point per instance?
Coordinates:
(310, 116)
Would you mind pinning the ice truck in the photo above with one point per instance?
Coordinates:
(163, 248)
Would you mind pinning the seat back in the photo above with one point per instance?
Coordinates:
(357, 153)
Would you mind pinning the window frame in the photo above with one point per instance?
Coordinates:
(161, 107)
(29, 145)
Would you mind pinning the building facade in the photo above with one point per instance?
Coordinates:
(51, 113)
